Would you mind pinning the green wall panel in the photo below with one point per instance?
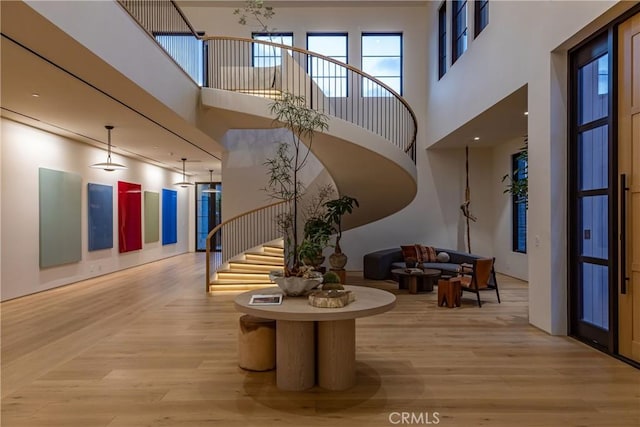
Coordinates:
(151, 217)
(60, 217)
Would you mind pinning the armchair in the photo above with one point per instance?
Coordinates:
(481, 276)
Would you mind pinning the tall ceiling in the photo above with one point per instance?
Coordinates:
(51, 82)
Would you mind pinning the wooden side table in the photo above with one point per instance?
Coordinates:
(449, 292)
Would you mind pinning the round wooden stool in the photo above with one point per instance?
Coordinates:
(257, 343)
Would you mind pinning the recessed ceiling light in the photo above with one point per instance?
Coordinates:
(476, 138)
(526, 113)
(35, 95)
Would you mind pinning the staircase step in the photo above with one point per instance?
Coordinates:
(264, 258)
(253, 268)
(256, 263)
(245, 272)
(224, 286)
(273, 250)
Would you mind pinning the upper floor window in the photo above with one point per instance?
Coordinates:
(330, 77)
(382, 58)
(442, 40)
(459, 28)
(269, 56)
(481, 14)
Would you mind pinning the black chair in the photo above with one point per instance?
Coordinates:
(479, 276)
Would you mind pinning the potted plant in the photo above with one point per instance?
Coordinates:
(331, 282)
(283, 179)
(317, 233)
(335, 210)
(518, 181)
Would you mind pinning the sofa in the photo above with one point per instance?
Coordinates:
(378, 265)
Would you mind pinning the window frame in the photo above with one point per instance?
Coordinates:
(401, 56)
(346, 61)
(519, 242)
(263, 34)
(478, 23)
(442, 40)
(456, 34)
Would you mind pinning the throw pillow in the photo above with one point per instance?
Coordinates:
(409, 252)
(443, 257)
(426, 253)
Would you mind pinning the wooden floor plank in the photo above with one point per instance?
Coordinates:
(147, 347)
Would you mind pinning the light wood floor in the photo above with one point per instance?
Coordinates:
(147, 347)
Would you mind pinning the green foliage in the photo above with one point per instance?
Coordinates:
(335, 210)
(330, 277)
(256, 11)
(519, 187)
(283, 169)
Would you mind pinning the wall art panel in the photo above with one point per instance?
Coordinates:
(129, 216)
(169, 216)
(100, 212)
(151, 216)
(60, 195)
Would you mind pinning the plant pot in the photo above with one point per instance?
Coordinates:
(337, 260)
(295, 286)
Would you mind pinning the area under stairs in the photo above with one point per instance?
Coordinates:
(250, 271)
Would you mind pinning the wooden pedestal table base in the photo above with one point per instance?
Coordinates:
(295, 355)
(337, 354)
(299, 353)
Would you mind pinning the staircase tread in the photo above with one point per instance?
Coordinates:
(245, 271)
(225, 282)
(264, 254)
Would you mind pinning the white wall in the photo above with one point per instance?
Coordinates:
(23, 151)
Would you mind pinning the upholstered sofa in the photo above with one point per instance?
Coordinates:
(378, 265)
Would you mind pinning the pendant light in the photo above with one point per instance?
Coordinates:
(108, 166)
(184, 183)
(211, 188)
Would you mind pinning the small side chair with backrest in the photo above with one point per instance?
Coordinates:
(481, 277)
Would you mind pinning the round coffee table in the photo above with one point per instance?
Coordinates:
(410, 278)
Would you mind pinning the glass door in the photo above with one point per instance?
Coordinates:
(591, 272)
(207, 214)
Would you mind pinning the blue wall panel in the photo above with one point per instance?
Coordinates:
(100, 210)
(169, 216)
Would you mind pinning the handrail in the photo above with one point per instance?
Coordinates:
(261, 226)
(231, 68)
(165, 23)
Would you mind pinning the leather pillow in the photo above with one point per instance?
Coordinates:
(410, 252)
(426, 253)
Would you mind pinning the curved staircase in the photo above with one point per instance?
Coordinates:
(368, 149)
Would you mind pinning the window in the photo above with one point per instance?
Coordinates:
(519, 170)
(459, 28)
(442, 40)
(382, 58)
(186, 50)
(269, 56)
(330, 77)
(481, 14)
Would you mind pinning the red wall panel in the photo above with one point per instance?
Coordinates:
(129, 216)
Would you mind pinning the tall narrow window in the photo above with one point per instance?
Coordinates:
(481, 16)
(459, 28)
(382, 58)
(519, 205)
(442, 40)
(330, 77)
(269, 56)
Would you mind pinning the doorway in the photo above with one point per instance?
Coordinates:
(604, 190)
(629, 187)
(208, 214)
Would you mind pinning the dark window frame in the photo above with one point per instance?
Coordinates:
(346, 58)
(480, 19)
(385, 34)
(519, 241)
(442, 40)
(458, 33)
(263, 34)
